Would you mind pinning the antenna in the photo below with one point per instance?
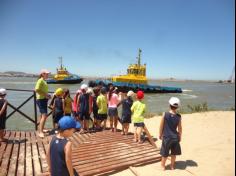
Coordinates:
(60, 61)
(139, 57)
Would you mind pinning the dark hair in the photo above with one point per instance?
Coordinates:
(40, 76)
(110, 92)
(173, 107)
(96, 91)
(66, 92)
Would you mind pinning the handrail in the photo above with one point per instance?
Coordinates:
(17, 109)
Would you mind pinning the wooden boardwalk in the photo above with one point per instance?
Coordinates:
(97, 153)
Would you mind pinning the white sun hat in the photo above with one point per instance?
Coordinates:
(3, 91)
(130, 93)
(90, 91)
(174, 101)
(44, 71)
(84, 87)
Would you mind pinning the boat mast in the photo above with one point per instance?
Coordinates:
(60, 62)
(139, 57)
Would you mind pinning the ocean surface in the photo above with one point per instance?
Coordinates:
(218, 97)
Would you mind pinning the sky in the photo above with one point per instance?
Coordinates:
(183, 39)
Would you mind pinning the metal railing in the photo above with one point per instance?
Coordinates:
(17, 109)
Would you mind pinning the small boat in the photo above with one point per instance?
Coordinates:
(135, 80)
(64, 77)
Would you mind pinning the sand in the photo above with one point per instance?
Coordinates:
(208, 146)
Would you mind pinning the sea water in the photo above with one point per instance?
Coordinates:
(217, 96)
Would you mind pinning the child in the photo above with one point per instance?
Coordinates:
(170, 122)
(113, 102)
(67, 103)
(50, 106)
(75, 105)
(60, 148)
(84, 108)
(58, 110)
(96, 91)
(138, 109)
(102, 108)
(126, 112)
(3, 114)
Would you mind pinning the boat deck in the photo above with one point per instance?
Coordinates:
(98, 153)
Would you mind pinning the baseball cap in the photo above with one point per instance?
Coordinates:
(67, 122)
(59, 92)
(130, 93)
(174, 101)
(44, 71)
(140, 95)
(90, 91)
(84, 87)
(3, 91)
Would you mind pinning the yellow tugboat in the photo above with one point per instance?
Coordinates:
(63, 76)
(136, 73)
(135, 80)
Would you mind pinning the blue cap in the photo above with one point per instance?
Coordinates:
(68, 122)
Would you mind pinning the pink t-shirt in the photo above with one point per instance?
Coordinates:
(114, 101)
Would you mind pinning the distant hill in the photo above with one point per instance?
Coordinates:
(17, 74)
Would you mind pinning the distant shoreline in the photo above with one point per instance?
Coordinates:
(31, 75)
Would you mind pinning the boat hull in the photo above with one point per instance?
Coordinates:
(125, 87)
(72, 81)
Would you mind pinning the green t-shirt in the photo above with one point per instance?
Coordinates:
(138, 109)
(42, 86)
(102, 104)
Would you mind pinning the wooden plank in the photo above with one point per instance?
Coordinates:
(35, 155)
(42, 155)
(21, 158)
(28, 157)
(107, 159)
(111, 155)
(8, 152)
(77, 137)
(14, 156)
(4, 145)
(101, 153)
(92, 153)
(98, 168)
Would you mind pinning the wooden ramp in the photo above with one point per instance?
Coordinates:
(97, 153)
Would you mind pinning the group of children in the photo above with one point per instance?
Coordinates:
(102, 102)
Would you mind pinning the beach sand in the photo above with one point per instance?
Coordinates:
(208, 146)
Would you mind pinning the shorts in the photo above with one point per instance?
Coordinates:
(139, 124)
(101, 117)
(43, 106)
(170, 144)
(68, 114)
(95, 114)
(2, 123)
(57, 117)
(112, 112)
(84, 116)
(126, 119)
